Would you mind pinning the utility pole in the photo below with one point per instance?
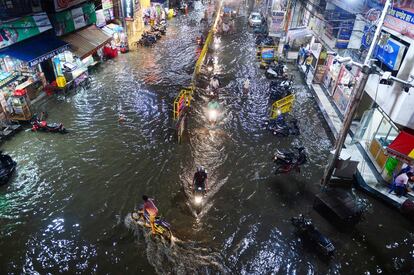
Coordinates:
(356, 98)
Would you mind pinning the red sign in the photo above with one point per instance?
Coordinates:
(61, 5)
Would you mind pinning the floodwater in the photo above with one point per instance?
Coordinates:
(64, 210)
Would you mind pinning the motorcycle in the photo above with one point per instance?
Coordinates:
(262, 40)
(142, 218)
(162, 29)
(44, 126)
(279, 127)
(306, 229)
(147, 39)
(7, 167)
(289, 160)
(278, 71)
(280, 89)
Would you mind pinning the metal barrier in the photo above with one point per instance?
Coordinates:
(282, 106)
(183, 99)
(182, 102)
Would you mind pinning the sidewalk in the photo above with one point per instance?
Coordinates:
(367, 176)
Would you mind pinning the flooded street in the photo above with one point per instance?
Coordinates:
(64, 210)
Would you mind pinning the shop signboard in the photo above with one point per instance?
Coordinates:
(344, 35)
(78, 18)
(128, 9)
(108, 10)
(71, 20)
(61, 5)
(390, 54)
(276, 23)
(23, 28)
(400, 17)
(100, 18)
(268, 53)
(107, 4)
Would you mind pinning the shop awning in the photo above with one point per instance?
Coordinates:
(403, 146)
(36, 49)
(87, 41)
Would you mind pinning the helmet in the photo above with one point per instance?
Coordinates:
(201, 169)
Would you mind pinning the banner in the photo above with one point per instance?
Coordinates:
(276, 22)
(61, 5)
(68, 21)
(107, 4)
(390, 54)
(400, 17)
(128, 9)
(23, 28)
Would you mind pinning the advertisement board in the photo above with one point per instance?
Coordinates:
(390, 54)
(61, 5)
(128, 9)
(268, 53)
(276, 23)
(23, 28)
(400, 17)
(68, 21)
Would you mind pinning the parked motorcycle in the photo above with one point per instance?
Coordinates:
(306, 229)
(162, 228)
(264, 40)
(278, 71)
(281, 127)
(7, 167)
(287, 161)
(280, 89)
(147, 39)
(42, 125)
(162, 29)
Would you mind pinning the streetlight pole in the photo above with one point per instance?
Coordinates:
(356, 98)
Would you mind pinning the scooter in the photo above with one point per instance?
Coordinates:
(306, 229)
(290, 128)
(277, 72)
(289, 160)
(38, 125)
(162, 227)
(7, 167)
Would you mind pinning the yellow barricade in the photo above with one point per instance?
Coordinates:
(184, 97)
(282, 106)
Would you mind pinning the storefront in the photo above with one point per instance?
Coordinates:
(345, 86)
(77, 28)
(331, 74)
(27, 67)
(86, 44)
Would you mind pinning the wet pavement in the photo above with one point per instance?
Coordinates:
(64, 210)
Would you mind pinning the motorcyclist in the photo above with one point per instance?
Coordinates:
(214, 83)
(152, 210)
(200, 178)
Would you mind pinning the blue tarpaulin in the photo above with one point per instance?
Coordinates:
(37, 49)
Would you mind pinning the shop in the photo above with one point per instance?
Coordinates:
(345, 84)
(86, 44)
(27, 68)
(330, 77)
(77, 28)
